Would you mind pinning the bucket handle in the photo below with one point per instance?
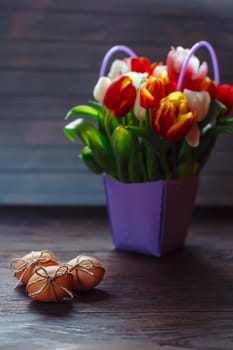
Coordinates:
(111, 52)
(194, 48)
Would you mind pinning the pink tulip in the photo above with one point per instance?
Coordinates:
(195, 73)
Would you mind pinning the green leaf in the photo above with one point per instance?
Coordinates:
(227, 129)
(216, 110)
(182, 148)
(159, 145)
(225, 121)
(92, 138)
(83, 110)
(135, 166)
(83, 129)
(202, 152)
(122, 146)
(148, 125)
(152, 164)
(98, 106)
(137, 131)
(103, 155)
(186, 168)
(109, 125)
(89, 160)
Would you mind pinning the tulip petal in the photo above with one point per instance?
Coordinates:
(225, 95)
(140, 64)
(139, 111)
(198, 102)
(146, 98)
(209, 86)
(195, 73)
(181, 127)
(100, 88)
(120, 96)
(159, 70)
(118, 67)
(193, 135)
(168, 119)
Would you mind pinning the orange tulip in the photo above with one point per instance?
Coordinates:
(120, 96)
(152, 92)
(173, 119)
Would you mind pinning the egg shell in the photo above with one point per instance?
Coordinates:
(51, 283)
(24, 267)
(87, 272)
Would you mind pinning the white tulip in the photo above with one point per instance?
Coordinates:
(139, 111)
(101, 87)
(138, 79)
(198, 102)
(118, 67)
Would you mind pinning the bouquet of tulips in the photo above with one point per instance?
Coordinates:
(153, 121)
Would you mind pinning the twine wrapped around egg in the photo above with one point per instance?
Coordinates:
(51, 283)
(47, 280)
(87, 272)
(23, 268)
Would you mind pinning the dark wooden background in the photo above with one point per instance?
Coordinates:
(50, 53)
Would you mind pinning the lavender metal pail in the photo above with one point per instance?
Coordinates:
(151, 217)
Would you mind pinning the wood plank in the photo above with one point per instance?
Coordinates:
(73, 188)
(66, 158)
(56, 26)
(47, 83)
(37, 133)
(19, 83)
(39, 158)
(67, 56)
(51, 188)
(155, 7)
(33, 133)
(50, 132)
(118, 331)
(38, 107)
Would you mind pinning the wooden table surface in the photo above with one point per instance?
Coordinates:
(181, 301)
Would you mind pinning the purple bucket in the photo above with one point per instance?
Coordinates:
(150, 217)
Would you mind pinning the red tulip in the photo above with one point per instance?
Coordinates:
(138, 64)
(173, 119)
(225, 95)
(120, 96)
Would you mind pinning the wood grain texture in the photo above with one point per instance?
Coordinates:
(64, 26)
(181, 301)
(50, 56)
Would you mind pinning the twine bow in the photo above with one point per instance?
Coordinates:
(26, 265)
(50, 281)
